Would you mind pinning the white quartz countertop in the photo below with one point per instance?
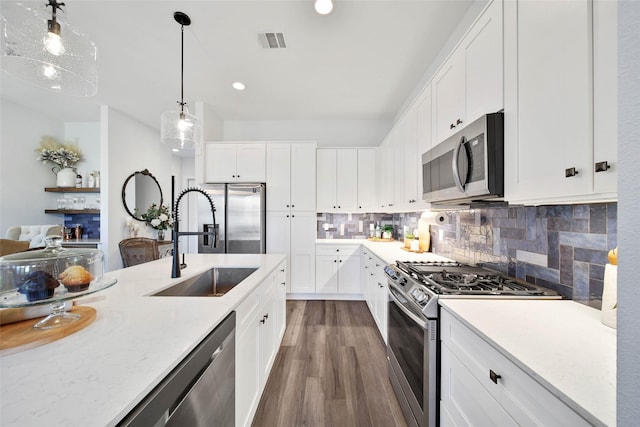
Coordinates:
(389, 252)
(97, 375)
(561, 344)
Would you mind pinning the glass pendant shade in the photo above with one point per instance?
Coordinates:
(180, 130)
(53, 57)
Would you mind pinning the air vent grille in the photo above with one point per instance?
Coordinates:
(272, 41)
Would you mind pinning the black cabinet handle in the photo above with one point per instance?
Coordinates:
(458, 122)
(569, 172)
(340, 261)
(602, 166)
(334, 207)
(293, 216)
(266, 316)
(452, 126)
(335, 260)
(282, 271)
(338, 206)
(494, 377)
(293, 206)
(287, 205)
(287, 216)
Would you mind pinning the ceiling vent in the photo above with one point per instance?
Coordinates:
(272, 40)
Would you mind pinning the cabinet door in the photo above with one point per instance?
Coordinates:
(279, 237)
(397, 167)
(410, 162)
(278, 176)
(366, 179)
(326, 274)
(303, 177)
(326, 179)
(347, 179)
(247, 378)
(251, 163)
(483, 62)
(302, 264)
(281, 301)
(219, 162)
(381, 298)
(267, 337)
(554, 101)
(448, 97)
(424, 117)
(605, 96)
(349, 274)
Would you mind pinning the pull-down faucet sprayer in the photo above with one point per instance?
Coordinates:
(175, 270)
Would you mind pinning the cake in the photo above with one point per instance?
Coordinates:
(38, 285)
(75, 278)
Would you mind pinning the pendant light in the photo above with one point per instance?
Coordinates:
(38, 48)
(178, 128)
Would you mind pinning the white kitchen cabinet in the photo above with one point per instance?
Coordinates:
(470, 82)
(258, 338)
(605, 98)
(234, 162)
(480, 386)
(281, 300)
(385, 177)
(375, 289)
(554, 101)
(337, 181)
(291, 176)
(338, 269)
(294, 233)
(366, 179)
(410, 197)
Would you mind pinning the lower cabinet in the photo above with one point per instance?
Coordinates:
(479, 386)
(260, 323)
(375, 291)
(338, 269)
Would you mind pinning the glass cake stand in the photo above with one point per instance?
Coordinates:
(58, 317)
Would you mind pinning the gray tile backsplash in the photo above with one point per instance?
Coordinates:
(562, 247)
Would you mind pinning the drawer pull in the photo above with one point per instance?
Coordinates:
(494, 377)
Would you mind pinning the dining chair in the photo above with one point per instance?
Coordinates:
(138, 250)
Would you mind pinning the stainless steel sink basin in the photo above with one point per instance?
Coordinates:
(212, 283)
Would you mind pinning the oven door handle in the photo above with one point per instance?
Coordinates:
(392, 291)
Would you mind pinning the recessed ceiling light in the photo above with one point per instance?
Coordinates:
(175, 150)
(323, 7)
(238, 86)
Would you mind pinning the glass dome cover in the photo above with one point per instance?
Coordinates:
(50, 274)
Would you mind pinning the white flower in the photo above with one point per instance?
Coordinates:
(163, 217)
(155, 222)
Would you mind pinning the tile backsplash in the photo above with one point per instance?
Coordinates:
(90, 224)
(561, 247)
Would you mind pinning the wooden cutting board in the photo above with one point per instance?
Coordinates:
(20, 336)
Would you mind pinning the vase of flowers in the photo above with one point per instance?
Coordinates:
(159, 218)
(63, 156)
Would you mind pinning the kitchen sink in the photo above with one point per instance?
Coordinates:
(212, 283)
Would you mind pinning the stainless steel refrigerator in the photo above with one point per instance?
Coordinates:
(240, 219)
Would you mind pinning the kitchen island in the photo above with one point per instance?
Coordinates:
(97, 375)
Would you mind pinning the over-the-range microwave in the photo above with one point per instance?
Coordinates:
(468, 166)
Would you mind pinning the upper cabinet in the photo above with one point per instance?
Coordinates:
(291, 175)
(560, 108)
(469, 83)
(337, 183)
(234, 162)
(366, 179)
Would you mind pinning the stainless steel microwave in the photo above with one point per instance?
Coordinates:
(468, 166)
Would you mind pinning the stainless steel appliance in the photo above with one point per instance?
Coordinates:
(468, 166)
(413, 334)
(200, 391)
(240, 217)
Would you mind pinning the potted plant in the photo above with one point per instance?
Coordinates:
(387, 232)
(63, 156)
(159, 218)
(408, 238)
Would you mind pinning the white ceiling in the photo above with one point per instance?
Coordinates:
(360, 62)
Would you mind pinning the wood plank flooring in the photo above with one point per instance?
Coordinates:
(331, 370)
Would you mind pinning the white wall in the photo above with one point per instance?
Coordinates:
(22, 177)
(126, 146)
(86, 135)
(212, 130)
(327, 133)
(628, 213)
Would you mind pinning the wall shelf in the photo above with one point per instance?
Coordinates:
(72, 190)
(73, 211)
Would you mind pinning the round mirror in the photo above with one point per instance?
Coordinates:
(139, 192)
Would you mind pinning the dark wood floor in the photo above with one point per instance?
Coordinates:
(331, 370)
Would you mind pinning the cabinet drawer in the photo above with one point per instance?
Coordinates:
(525, 399)
(342, 250)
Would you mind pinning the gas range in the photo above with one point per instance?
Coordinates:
(423, 283)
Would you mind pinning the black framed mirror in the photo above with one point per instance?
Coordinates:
(139, 191)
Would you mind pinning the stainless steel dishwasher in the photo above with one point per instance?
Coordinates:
(198, 392)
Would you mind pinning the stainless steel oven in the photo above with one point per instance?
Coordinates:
(468, 166)
(412, 345)
(413, 326)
